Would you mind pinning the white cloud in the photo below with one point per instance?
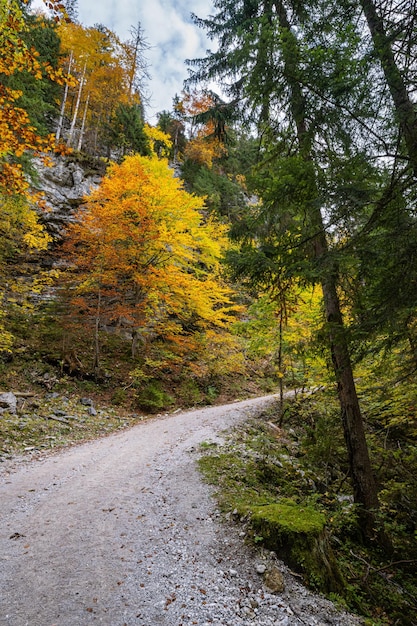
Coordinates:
(170, 32)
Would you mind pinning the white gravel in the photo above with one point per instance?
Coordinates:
(122, 531)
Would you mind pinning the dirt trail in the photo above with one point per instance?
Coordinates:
(122, 531)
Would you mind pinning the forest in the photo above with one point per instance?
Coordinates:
(259, 238)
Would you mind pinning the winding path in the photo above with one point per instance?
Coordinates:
(122, 531)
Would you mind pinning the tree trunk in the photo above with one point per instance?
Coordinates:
(96, 363)
(138, 61)
(64, 101)
(364, 487)
(77, 106)
(404, 107)
(280, 365)
(81, 137)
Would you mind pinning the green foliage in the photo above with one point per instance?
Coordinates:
(223, 195)
(224, 185)
(280, 332)
(189, 392)
(153, 398)
(126, 130)
(39, 95)
(119, 396)
(212, 393)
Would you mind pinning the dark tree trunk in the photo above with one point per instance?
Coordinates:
(364, 487)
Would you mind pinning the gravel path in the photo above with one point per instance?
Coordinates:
(122, 531)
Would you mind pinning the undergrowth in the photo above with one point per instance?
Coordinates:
(304, 464)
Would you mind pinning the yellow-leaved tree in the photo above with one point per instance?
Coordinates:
(146, 260)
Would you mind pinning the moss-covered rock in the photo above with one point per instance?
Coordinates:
(298, 535)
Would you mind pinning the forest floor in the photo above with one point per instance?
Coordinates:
(123, 531)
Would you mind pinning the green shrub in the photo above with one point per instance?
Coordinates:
(119, 396)
(153, 398)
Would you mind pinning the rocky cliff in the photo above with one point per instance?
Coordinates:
(65, 186)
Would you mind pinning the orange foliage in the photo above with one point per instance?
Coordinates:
(204, 150)
(203, 146)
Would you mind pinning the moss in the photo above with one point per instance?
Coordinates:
(290, 518)
(298, 534)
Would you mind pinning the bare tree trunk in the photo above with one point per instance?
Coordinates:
(80, 138)
(77, 106)
(64, 101)
(139, 45)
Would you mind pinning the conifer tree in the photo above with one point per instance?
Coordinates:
(288, 70)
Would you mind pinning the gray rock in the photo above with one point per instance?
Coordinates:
(64, 186)
(8, 402)
(274, 580)
(86, 401)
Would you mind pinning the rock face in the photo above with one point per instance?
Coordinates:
(65, 186)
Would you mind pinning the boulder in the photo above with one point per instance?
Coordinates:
(8, 402)
(297, 533)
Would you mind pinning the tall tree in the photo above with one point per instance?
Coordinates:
(269, 56)
(126, 130)
(136, 62)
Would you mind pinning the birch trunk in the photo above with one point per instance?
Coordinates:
(80, 138)
(64, 102)
(77, 106)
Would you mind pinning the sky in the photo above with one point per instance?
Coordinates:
(169, 31)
